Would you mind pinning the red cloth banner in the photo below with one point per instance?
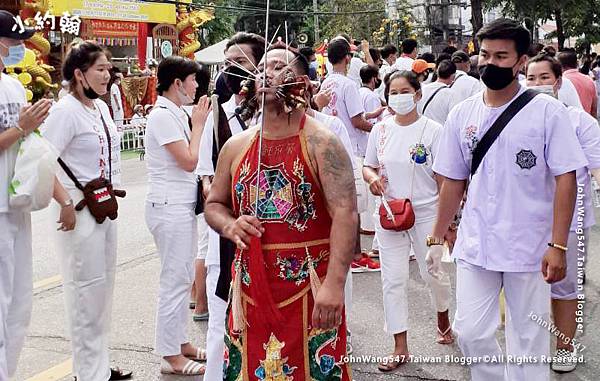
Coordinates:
(142, 40)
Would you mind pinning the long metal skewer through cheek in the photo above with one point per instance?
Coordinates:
(262, 124)
(240, 66)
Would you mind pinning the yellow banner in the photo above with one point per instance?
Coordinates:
(124, 10)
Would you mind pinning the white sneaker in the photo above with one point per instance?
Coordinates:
(564, 361)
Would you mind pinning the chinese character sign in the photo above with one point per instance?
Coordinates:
(68, 23)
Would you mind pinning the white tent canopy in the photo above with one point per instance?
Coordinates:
(213, 54)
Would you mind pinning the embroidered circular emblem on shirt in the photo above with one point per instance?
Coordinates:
(419, 153)
(526, 159)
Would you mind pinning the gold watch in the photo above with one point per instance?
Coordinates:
(432, 241)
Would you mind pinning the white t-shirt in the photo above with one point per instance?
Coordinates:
(465, 86)
(397, 151)
(78, 134)
(167, 182)
(370, 101)
(12, 99)
(336, 126)
(205, 163)
(353, 71)
(440, 105)
(403, 63)
(116, 105)
(345, 104)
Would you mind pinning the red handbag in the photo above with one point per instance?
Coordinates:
(397, 215)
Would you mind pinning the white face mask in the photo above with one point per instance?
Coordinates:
(402, 103)
(544, 89)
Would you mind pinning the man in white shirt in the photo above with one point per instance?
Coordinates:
(246, 50)
(438, 98)
(116, 102)
(389, 55)
(464, 85)
(17, 120)
(516, 218)
(409, 53)
(355, 62)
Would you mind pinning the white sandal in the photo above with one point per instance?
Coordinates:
(191, 368)
(200, 355)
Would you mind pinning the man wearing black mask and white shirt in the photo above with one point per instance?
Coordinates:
(17, 120)
(464, 85)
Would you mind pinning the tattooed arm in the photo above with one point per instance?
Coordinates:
(337, 180)
(218, 212)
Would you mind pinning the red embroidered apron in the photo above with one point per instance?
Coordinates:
(297, 224)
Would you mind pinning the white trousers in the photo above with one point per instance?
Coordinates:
(88, 258)
(175, 231)
(478, 316)
(217, 311)
(394, 251)
(15, 288)
(202, 237)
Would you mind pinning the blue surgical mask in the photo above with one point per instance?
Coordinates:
(15, 55)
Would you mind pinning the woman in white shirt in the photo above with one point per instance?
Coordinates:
(81, 129)
(398, 165)
(171, 157)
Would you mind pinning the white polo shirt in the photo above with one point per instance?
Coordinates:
(370, 101)
(507, 220)
(167, 181)
(336, 126)
(588, 133)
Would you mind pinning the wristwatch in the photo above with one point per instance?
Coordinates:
(432, 241)
(69, 202)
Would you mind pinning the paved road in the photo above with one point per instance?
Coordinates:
(47, 351)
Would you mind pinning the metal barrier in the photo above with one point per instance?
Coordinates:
(132, 134)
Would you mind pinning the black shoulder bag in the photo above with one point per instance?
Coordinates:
(98, 195)
(431, 98)
(492, 134)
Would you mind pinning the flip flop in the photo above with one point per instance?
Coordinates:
(442, 339)
(200, 317)
(119, 374)
(191, 368)
(199, 357)
(391, 366)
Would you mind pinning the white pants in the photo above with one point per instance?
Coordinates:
(362, 191)
(394, 250)
(217, 310)
(175, 231)
(202, 237)
(88, 256)
(478, 316)
(15, 288)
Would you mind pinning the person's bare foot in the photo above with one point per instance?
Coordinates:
(393, 361)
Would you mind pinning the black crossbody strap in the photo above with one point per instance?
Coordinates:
(70, 174)
(455, 78)
(431, 98)
(109, 147)
(492, 134)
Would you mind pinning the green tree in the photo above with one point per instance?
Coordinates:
(219, 28)
(358, 25)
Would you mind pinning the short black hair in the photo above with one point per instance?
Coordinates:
(368, 72)
(409, 45)
(388, 50)
(307, 51)
(506, 29)
(550, 50)
(82, 56)
(442, 57)
(535, 49)
(449, 49)
(410, 77)
(172, 68)
(256, 42)
(445, 69)
(337, 50)
(375, 55)
(568, 58)
(554, 64)
(428, 57)
(203, 79)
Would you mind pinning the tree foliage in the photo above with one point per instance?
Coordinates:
(219, 28)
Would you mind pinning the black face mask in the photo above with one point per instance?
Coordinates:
(89, 92)
(234, 81)
(496, 77)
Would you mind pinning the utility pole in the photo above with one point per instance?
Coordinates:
(316, 20)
